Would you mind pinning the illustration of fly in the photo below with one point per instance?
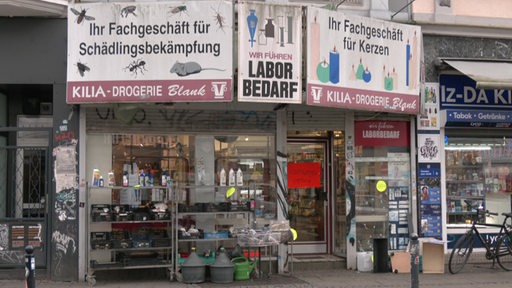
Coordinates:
(82, 68)
(178, 9)
(136, 66)
(81, 15)
(128, 10)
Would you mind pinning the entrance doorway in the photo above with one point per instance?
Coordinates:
(309, 194)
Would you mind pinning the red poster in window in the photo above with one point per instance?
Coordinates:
(304, 175)
(381, 133)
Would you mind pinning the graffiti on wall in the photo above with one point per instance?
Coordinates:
(184, 118)
(64, 246)
(65, 204)
(64, 239)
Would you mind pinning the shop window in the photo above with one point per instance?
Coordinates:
(478, 176)
(204, 167)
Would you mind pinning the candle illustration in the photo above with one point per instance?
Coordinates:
(414, 62)
(252, 22)
(388, 83)
(360, 70)
(353, 73)
(394, 76)
(322, 71)
(334, 66)
(407, 58)
(314, 48)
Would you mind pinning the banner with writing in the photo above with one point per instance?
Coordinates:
(150, 52)
(270, 57)
(362, 63)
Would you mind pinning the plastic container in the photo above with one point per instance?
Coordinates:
(364, 261)
(222, 271)
(193, 269)
(243, 268)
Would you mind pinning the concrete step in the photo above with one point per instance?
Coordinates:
(317, 262)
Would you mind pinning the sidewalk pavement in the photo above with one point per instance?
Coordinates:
(473, 275)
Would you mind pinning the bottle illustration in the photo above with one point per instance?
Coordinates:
(222, 177)
(239, 177)
(101, 182)
(232, 175)
(252, 24)
(269, 29)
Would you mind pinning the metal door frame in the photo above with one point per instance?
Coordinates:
(317, 247)
(14, 258)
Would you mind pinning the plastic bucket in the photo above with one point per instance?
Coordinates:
(243, 268)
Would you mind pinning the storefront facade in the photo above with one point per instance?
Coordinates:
(465, 122)
(318, 159)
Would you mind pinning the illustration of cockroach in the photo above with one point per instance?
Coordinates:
(81, 15)
(128, 10)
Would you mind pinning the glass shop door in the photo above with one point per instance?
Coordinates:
(308, 194)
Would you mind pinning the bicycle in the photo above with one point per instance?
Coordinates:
(500, 251)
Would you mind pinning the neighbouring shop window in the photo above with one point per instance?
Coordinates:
(478, 176)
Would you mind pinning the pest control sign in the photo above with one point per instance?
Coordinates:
(270, 53)
(362, 63)
(150, 52)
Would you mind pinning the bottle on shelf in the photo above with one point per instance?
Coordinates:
(232, 177)
(222, 177)
(239, 177)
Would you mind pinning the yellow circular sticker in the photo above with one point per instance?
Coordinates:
(381, 186)
(230, 192)
(294, 233)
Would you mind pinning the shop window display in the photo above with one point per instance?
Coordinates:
(478, 176)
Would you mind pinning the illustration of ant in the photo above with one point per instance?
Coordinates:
(178, 9)
(128, 10)
(219, 19)
(138, 65)
(82, 68)
(81, 15)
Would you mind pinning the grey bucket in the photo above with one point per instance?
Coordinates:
(193, 269)
(222, 271)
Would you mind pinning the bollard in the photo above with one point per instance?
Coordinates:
(415, 260)
(30, 267)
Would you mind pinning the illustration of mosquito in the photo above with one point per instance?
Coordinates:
(219, 19)
(137, 66)
(128, 10)
(81, 15)
(82, 68)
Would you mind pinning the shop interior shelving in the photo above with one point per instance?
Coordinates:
(129, 236)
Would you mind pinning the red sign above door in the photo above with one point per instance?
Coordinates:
(382, 133)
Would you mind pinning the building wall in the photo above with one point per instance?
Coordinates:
(461, 47)
(34, 52)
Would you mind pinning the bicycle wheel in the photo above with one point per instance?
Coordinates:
(504, 249)
(460, 252)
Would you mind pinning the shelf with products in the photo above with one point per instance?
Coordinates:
(129, 228)
(207, 217)
(474, 175)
